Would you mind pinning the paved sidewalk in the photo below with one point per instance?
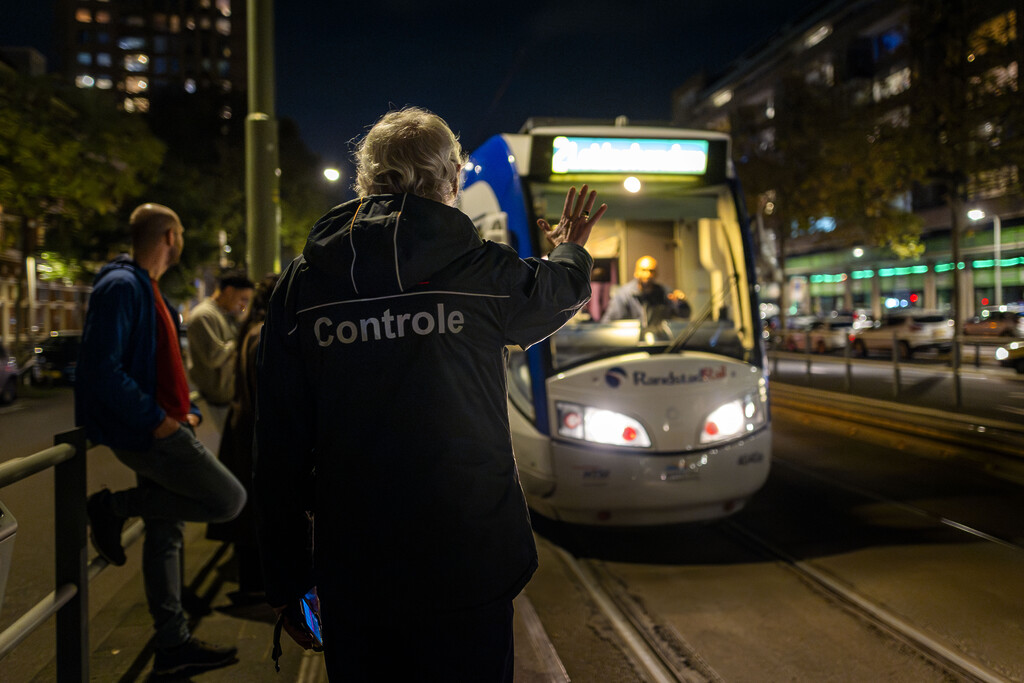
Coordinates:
(120, 631)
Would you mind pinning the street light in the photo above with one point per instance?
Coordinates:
(997, 241)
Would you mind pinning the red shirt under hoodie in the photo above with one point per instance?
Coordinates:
(171, 385)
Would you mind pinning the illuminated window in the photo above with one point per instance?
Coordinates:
(134, 21)
(205, 4)
(104, 83)
(223, 68)
(84, 58)
(84, 81)
(136, 62)
(1000, 30)
(817, 35)
(160, 21)
(134, 105)
(131, 43)
(83, 16)
(821, 72)
(136, 84)
(102, 17)
(225, 112)
(204, 23)
(891, 85)
(224, 27)
(190, 23)
(103, 59)
(190, 85)
(103, 38)
(225, 7)
(721, 98)
(175, 24)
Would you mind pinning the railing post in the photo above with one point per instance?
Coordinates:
(895, 365)
(849, 370)
(807, 354)
(72, 560)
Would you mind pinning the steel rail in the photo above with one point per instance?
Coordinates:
(892, 623)
(997, 444)
(646, 649)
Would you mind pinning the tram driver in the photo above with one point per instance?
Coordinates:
(644, 299)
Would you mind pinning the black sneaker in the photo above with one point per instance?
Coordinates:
(193, 655)
(105, 528)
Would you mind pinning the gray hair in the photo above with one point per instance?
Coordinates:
(410, 150)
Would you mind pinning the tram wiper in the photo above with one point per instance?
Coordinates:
(691, 329)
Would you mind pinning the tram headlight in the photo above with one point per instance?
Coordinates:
(598, 425)
(733, 419)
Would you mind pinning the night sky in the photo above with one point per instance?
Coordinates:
(484, 66)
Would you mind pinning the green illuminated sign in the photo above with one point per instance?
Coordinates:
(629, 155)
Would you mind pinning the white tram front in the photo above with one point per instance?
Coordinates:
(646, 421)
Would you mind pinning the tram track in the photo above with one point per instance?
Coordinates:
(876, 614)
(661, 640)
(661, 654)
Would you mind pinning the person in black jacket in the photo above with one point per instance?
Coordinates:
(382, 416)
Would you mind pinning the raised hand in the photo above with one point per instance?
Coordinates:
(576, 222)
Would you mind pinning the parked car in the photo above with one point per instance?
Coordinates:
(825, 335)
(828, 333)
(913, 330)
(996, 323)
(8, 377)
(1012, 356)
(56, 359)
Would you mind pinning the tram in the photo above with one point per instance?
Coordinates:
(656, 420)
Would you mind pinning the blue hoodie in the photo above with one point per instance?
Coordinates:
(115, 389)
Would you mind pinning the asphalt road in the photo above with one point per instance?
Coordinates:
(889, 524)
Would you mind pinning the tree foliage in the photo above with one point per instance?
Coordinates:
(68, 160)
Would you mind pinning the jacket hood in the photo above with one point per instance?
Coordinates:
(389, 243)
(122, 262)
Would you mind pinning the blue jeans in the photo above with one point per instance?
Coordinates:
(179, 481)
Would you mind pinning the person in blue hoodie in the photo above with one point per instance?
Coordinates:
(382, 412)
(131, 394)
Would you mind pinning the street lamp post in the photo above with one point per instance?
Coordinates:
(997, 241)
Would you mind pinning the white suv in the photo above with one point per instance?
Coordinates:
(913, 330)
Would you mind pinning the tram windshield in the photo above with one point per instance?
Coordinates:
(700, 299)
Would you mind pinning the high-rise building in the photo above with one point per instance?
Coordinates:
(145, 50)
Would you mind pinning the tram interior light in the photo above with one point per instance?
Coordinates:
(732, 419)
(598, 425)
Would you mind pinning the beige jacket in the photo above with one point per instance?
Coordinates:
(211, 342)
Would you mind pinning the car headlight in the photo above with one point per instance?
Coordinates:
(733, 419)
(598, 425)
(1002, 353)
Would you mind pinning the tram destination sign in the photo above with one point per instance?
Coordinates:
(628, 155)
(701, 160)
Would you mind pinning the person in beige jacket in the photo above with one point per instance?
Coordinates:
(212, 333)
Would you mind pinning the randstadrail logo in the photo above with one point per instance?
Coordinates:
(614, 377)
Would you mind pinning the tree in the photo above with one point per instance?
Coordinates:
(68, 159)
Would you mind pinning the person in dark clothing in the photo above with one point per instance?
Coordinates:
(644, 299)
(382, 411)
(236, 445)
(131, 395)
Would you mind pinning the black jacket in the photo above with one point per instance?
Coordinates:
(382, 406)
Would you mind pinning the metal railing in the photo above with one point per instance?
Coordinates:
(983, 354)
(70, 599)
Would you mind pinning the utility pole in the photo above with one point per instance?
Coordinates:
(262, 183)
